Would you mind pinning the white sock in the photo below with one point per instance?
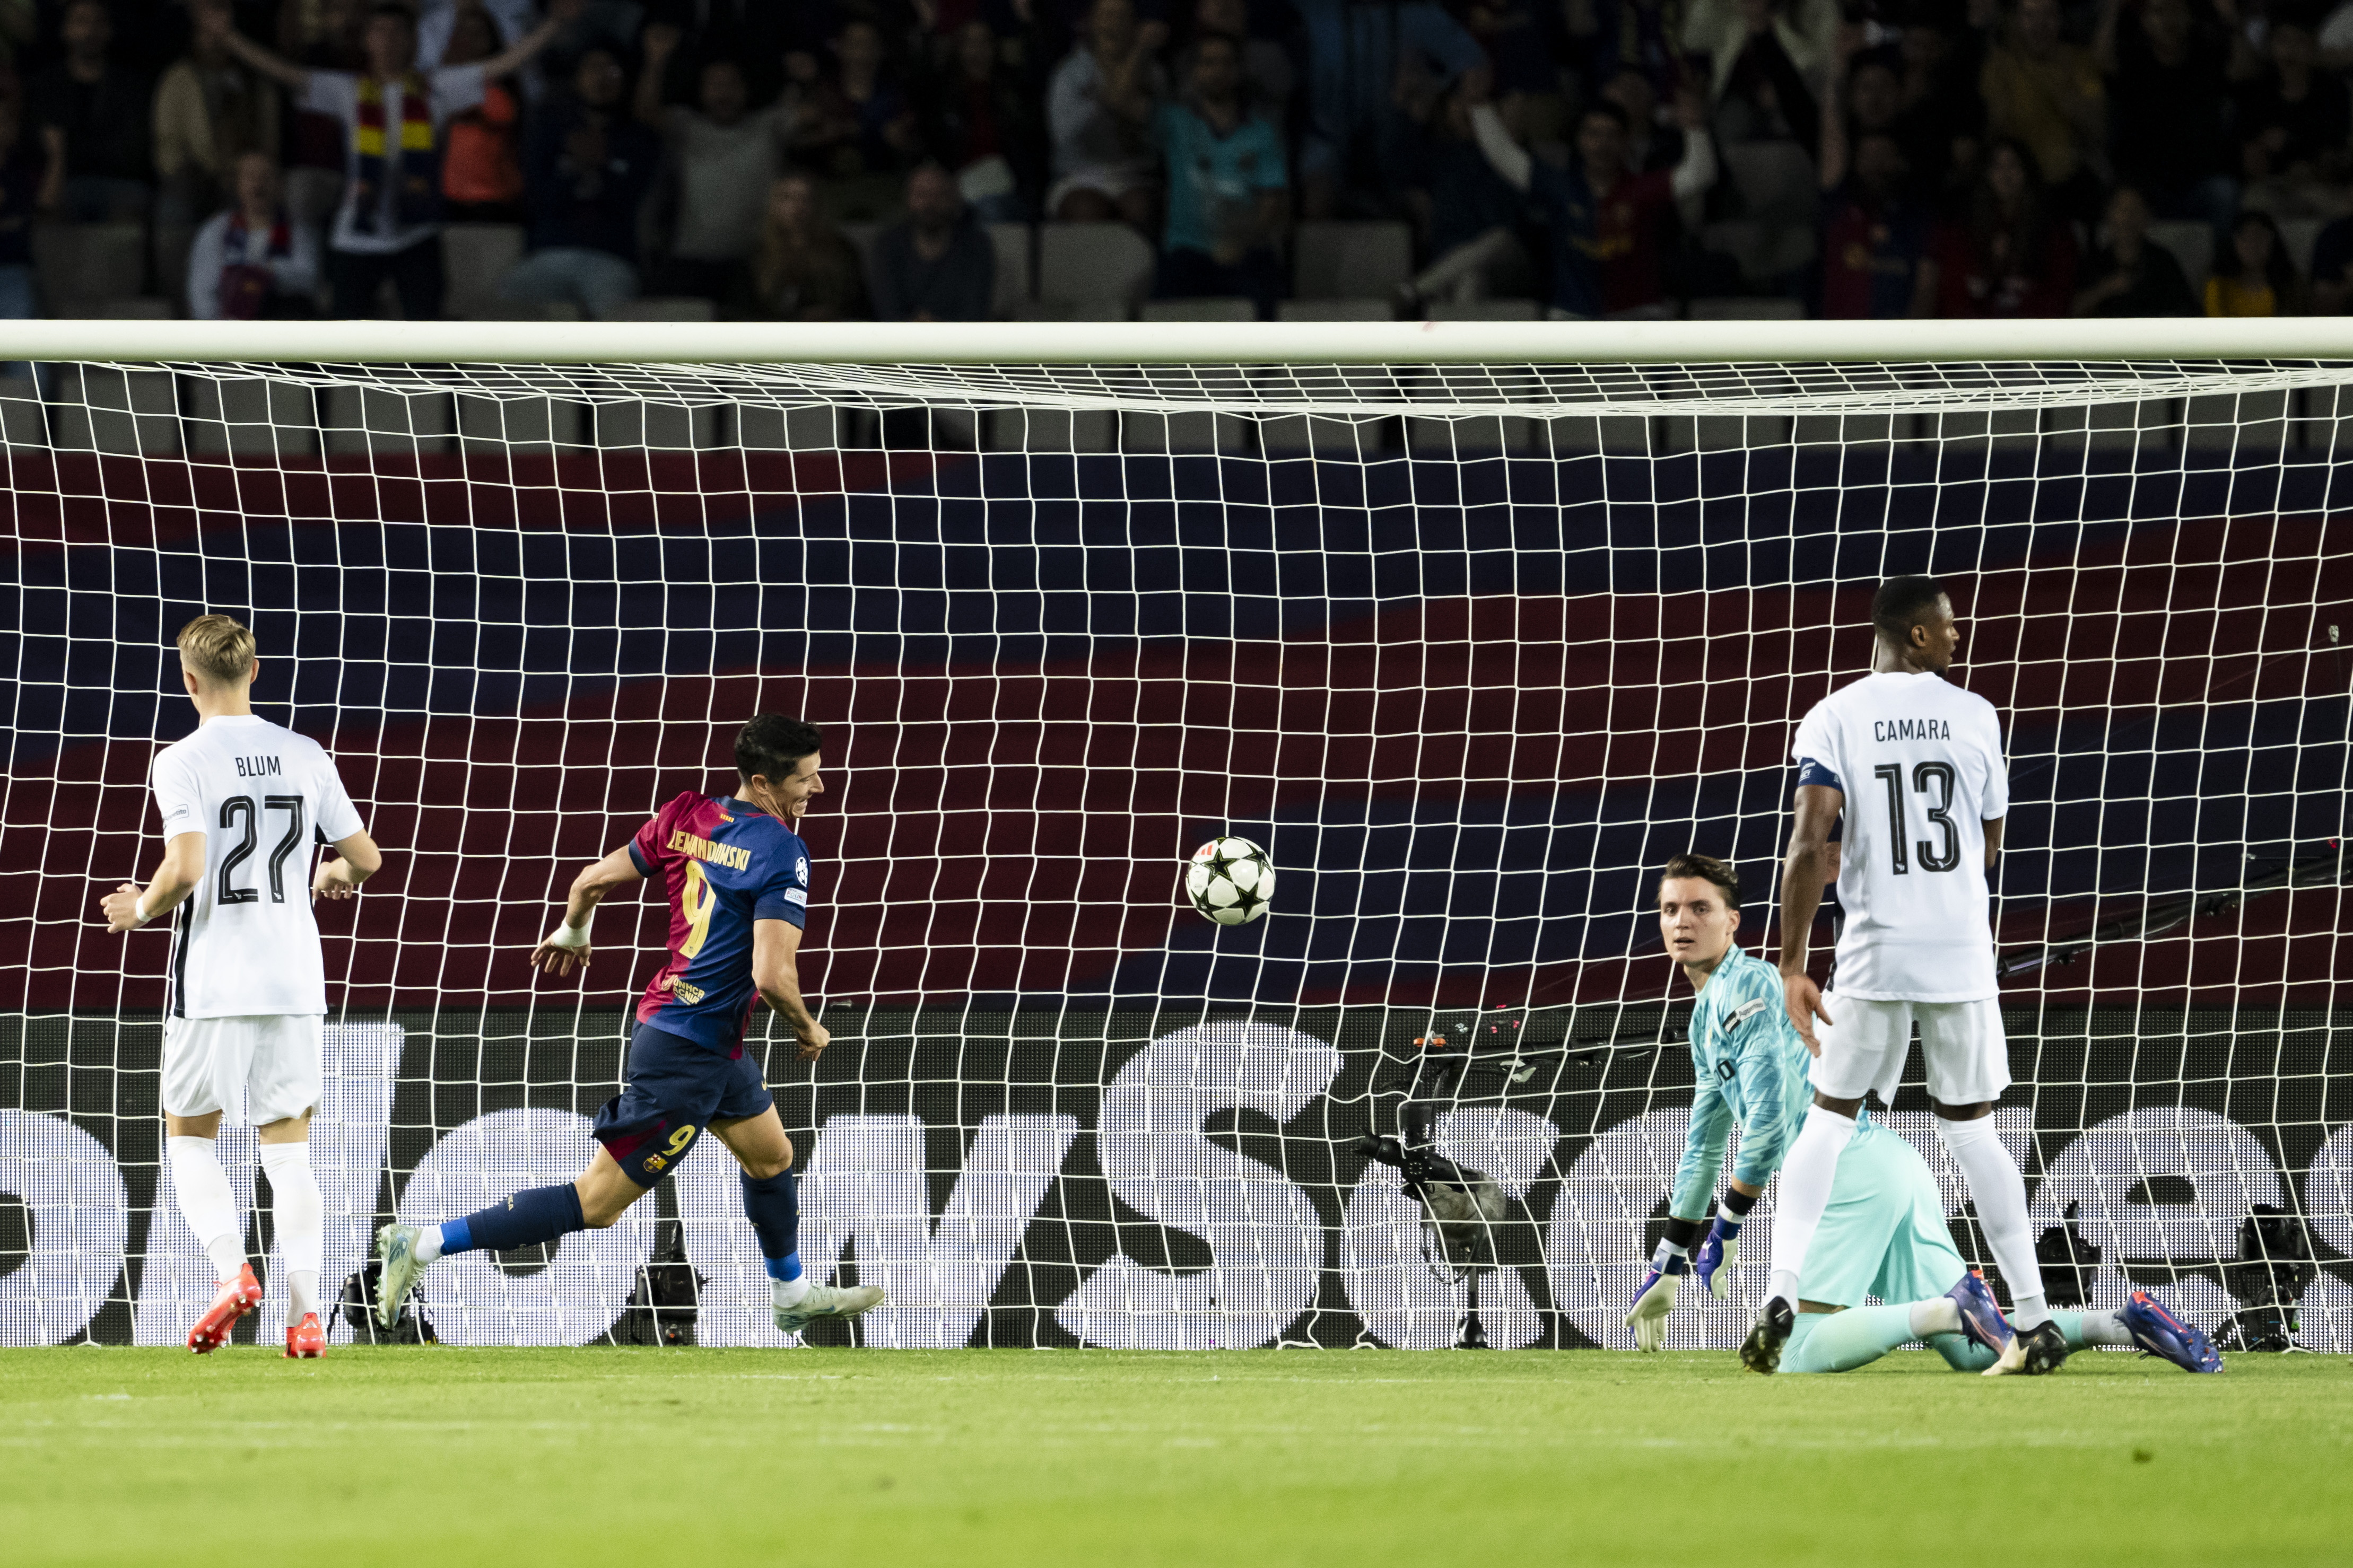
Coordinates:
(300, 1216)
(788, 1292)
(428, 1244)
(1941, 1316)
(2000, 1194)
(2105, 1328)
(1807, 1173)
(207, 1203)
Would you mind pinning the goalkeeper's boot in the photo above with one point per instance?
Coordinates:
(2160, 1333)
(306, 1341)
(233, 1301)
(395, 1245)
(1761, 1352)
(828, 1302)
(1982, 1322)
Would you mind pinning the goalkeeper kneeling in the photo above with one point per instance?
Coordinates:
(1884, 1234)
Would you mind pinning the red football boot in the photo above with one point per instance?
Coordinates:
(236, 1297)
(306, 1341)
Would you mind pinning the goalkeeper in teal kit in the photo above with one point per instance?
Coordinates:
(1884, 1234)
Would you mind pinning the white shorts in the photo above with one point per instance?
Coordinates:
(269, 1061)
(1966, 1053)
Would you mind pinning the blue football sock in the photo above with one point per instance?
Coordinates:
(532, 1215)
(773, 1207)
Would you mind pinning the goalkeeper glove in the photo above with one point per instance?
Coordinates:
(1648, 1314)
(1717, 1257)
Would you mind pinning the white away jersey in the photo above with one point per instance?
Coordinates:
(243, 942)
(1920, 763)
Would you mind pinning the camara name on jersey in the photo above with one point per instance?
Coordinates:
(1911, 728)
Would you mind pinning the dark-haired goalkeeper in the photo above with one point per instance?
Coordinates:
(737, 877)
(1883, 1233)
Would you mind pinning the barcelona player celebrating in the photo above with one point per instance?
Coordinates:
(738, 881)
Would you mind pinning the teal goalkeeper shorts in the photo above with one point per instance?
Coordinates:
(1885, 1232)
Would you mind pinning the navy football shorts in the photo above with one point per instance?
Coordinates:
(671, 1090)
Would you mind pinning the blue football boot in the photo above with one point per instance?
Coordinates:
(1982, 1323)
(2160, 1333)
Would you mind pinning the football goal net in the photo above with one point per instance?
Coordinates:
(1468, 627)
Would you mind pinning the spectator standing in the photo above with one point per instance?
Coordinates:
(935, 264)
(2132, 275)
(2254, 275)
(1942, 118)
(2012, 255)
(211, 109)
(1471, 215)
(92, 109)
(254, 261)
(804, 269)
(1878, 234)
(507, 23)
(394, 119)
(2167, 93)
(2294, 122)
(1100, 109)
(481, 174)
(1228, 189)
(1610, 228)
(588, 168)
(985, 126)
(1355, 56)
(722, 157)
(2047, 94)
(857, 131)
(1267, 76)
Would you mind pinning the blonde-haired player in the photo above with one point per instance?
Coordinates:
(241, 801)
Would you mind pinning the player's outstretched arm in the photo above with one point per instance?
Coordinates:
(777, 974)
(128, 909)
(356, 859)
(1802, 874)
(1655, 1299)
(567, 944)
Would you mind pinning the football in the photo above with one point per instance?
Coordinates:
(1229, 881)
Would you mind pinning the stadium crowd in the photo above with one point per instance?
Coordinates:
(849, 159)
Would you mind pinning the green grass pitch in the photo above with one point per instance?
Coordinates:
(897, 1458)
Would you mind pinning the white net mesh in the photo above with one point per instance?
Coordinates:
(1471, 649)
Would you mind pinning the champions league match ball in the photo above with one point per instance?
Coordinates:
(1229, 881)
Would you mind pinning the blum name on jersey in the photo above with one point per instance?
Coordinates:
(1919, 761)
(245, 942)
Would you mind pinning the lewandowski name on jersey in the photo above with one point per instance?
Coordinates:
(1919, 761)
(724, 863)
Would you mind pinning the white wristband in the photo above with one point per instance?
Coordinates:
(138, 909)
(568, 936)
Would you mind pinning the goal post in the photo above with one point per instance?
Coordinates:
(1471, 625)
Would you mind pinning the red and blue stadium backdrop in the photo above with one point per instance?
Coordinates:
(1467, 706)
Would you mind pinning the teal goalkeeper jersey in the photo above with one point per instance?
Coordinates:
(1750, 1068)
